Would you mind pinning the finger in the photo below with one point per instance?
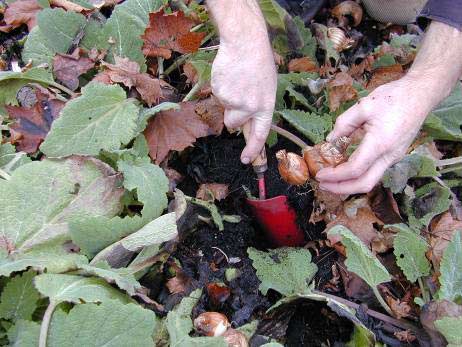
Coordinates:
(260, 127)
(368, 152)
(363, 184)
(235, 118)
(347, 123)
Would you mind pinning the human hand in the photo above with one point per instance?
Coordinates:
(391, 117)
(244, 78)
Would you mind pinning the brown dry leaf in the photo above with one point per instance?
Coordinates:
(128, 73)
(181, 283)
(211, 111)
(441, 233)
(218, 293)
(69, 5)
(191, 74)
(405, 336)
(385, 74)
(68, 67)
(434, 311)
(384, 205)
(400, 308)
(357, 70)
(170, 32)
(341, 90)
(303, 64)
(212, 191)
(33, 123)
(20, 12)
(355, 286)
(328, 206)
(357, 216)
(178, 129)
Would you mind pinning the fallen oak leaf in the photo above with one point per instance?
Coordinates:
(303, 64)
(170, 32)
(20, 12)
(385, 74)
(68, 67)
(128, 73)
(178, 129)
(33, 123)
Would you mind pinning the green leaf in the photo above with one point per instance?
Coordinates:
(274, 14)
(179, 325)
(412, 165)
(75, 289)
(11, 82)
(10, 160)
(19, 298)
(409, 250)
(360, 260)
(361, 337)
(24, 334)
(110, 324)
(41, 197)
(289, 82)
(122, 277)
(151, 185)
(59, 28)
(286, 270)
(94, 36)
(102, 118)
(36, 49)
(451, 328)
(451, 276)
(313, 126)
(444, 123)
(309, 41)
(127, 23)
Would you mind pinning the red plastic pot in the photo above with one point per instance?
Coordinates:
(277, 219)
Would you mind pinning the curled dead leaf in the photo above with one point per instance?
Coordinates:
(212, 191)
(401, 309)
(341, 90)
(20, 12)
(68, 67)
(385, 74)
(170, 32)
(303, 64)
(348, 8)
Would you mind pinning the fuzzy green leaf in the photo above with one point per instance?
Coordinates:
(360, 260)
(60, 28)
(151, 185)
(409, 249)
(10, 159)
(289, 82)
(125, 26)
(179, 325)
(286, 270)
(309, 41)
(451, 328)
(11, 82)
(444, 123)
(19, 298)
(102, 118)
(110, 324)
(24, 334)
(122, 277)
(451, 276)
(40, 199)
(274, 14)
(36, 49)
(75, 289)
(413, 165)
(313, 126)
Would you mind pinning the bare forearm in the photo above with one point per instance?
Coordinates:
(238, 20)
(438, 65)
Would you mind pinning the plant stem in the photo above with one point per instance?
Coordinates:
(192, 92)
(5, 175)
(160, 67)
(46, 323)
(451, 161)
(177, 63)
(381, 301)
(425, 296)
(62, 88)
(289, 136)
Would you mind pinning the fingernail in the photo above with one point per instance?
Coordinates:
(245, 160)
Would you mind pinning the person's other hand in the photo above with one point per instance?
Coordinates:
(244, 79)
(391, 117)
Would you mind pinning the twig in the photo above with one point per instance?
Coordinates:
(62, 88)
(160, 67)
(383, 317)
(425, 295)
(46, 323)
(177, 63)
(451, 161)
(381, 301)
(192, 92)
(289, 136)
(209, 48)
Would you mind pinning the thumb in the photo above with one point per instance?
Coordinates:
(260, 127)
(347, 123)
